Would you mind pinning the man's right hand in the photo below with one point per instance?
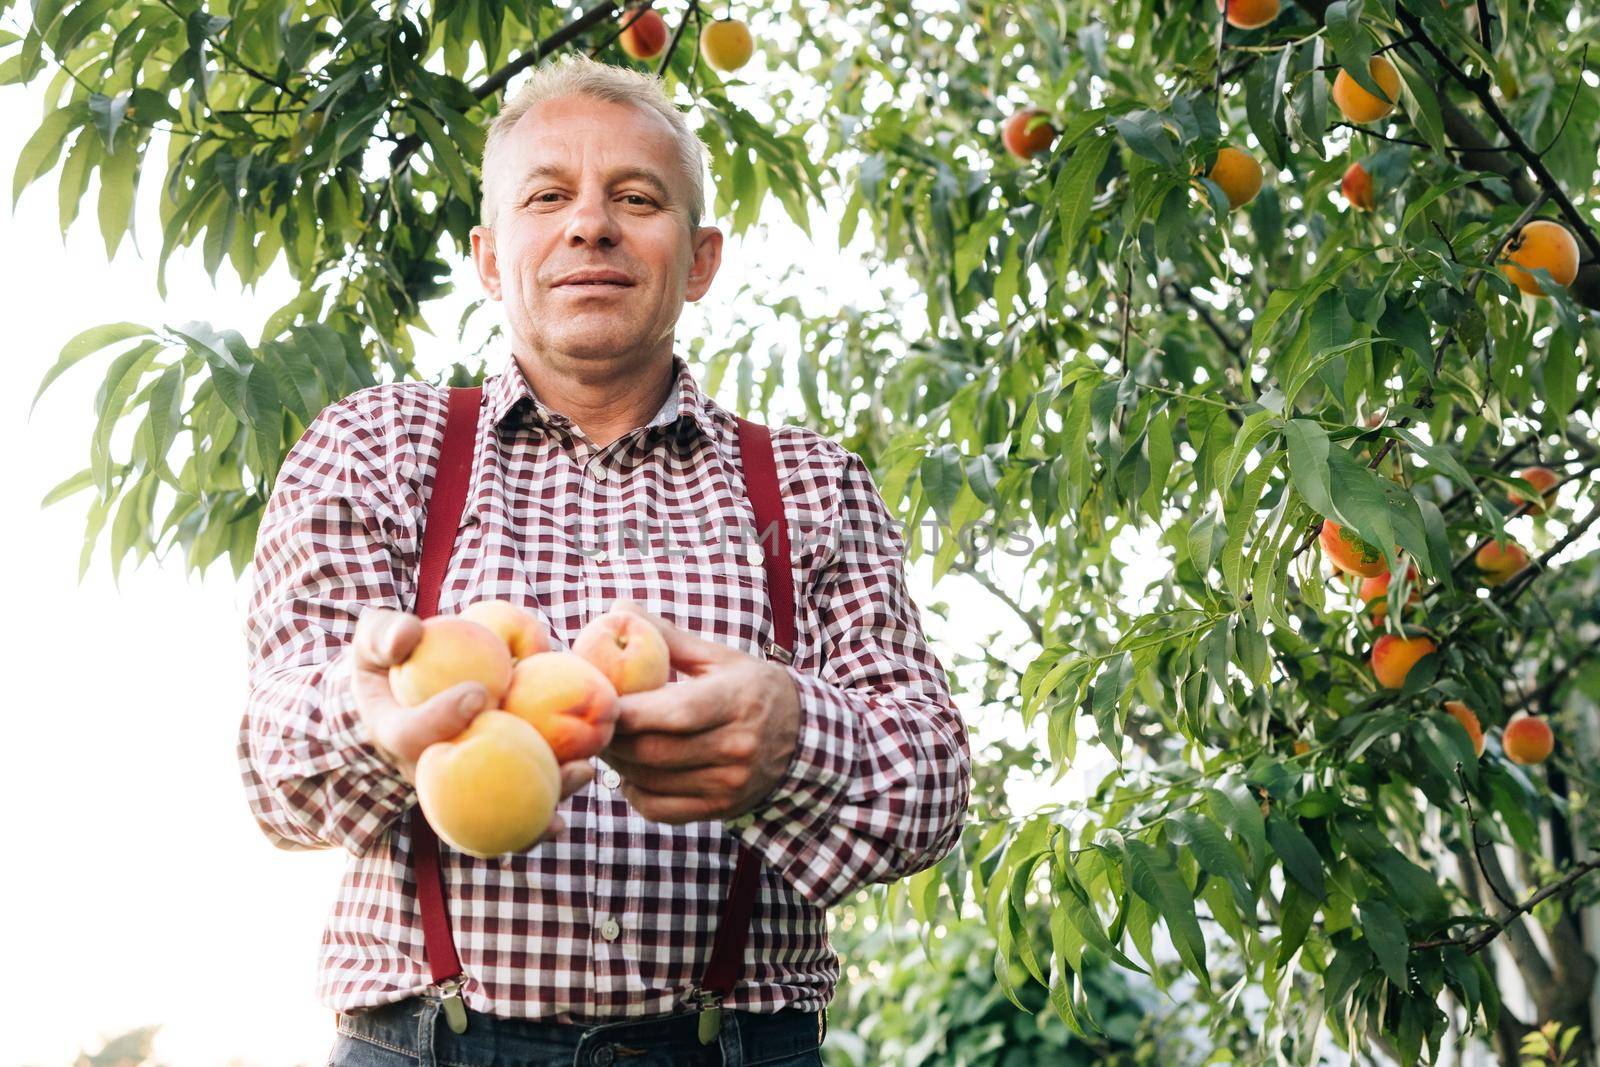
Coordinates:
(385, 637)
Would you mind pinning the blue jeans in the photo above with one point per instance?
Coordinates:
(413, 1031)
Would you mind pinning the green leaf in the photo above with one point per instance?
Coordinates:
(1074, 191)
(84, 345)
(1156, 880)
(1214, 852)
(1300, 858)
(40, 151)
(1308, 464)
(1384, 930)
(1352, 44)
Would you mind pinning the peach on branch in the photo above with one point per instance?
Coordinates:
(523, 632)
(452, 650)
(1248, 14)
(1393, 657)
(1024, 137)
(1359, 105)
(627, 648)
(492, 788)
(1350, 553)
(1499, 562)
(1527, 739)
(1546, 244)
(726, 44)
(1541, 478)
(1357, 187)
(1469, 721)
(1237, 174)
(567, 699)
(1374, 592)
(644, 33)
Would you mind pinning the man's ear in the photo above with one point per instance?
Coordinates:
(486, 259)
(707, 258)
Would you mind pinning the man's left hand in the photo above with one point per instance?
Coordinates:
(712, 746)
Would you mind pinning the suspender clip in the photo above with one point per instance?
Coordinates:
(775, 651)
(455, 1009)
(710, 1006)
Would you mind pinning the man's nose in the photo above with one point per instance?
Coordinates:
(591, 220)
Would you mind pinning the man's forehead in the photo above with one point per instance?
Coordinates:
(568, 135)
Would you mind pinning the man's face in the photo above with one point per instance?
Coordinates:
(591, 187)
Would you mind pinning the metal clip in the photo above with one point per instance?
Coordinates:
(775, 651)
(455, 1009)
(710, 1024)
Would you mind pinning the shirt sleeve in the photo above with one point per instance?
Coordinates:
(323, 555)
(881, 774)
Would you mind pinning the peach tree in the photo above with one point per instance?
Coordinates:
(1169, 292)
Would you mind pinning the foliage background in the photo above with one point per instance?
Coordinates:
(1114, 364)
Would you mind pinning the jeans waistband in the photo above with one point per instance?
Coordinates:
(415, 1026)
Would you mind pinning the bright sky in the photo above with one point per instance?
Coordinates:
(146, 892)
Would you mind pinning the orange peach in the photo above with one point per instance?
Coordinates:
(567, 699)
(1356, 103)
(1357, 187)
(1350, 553)
(1025, 138)
(1527, 739)
(1498, 563)
(492, 788)
(628, 650)
(1238, 175)
(1469, 720)
(1374, 592)
(1302, 747)
(452, 650)
(1541, 478)
(523, 632)
(726, 44)
(1248, 14)
(1546, 244)
(644, 35)
(1394, 656)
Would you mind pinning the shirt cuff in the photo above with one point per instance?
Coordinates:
(787, 826)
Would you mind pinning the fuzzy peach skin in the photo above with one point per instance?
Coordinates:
(1541, 478)
(452, 650)
(492, 789)
(1527, 739)
(523, 632)
(1469, 720)
(628, 650)
(1350, 553)
(1499, 563)
(1394, 656)
(567, 699)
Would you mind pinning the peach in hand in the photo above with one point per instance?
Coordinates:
(1393, 657)
(491, 789)
(627, 648)
(567, 699)
(452, 650)
(523, 632)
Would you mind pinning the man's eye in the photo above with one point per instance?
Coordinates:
(639, 197)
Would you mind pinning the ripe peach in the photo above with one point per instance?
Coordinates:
(1499, 563)
(565, 697)
(1356, 103)
(1541, 478)
(1357, 187)
(1527, 739)
(1394, 656)
(1237, 173)
(1350, 553)
(726, 44)
(1025, 138)
(523, 632)
(1374, 592)
(1302, 747)
(645, 33)
(1542, 243)
(1468, 719)
(452, 650)
(1248, 14)
(492, 788)
(627, 649)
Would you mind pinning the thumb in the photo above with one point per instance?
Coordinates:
(688, 652)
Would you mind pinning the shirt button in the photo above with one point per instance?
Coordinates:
(599, 557)
(755, 556)
(609, 929)
(610, 778)
(599, 473)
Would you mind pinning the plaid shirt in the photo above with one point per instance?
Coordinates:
(611, 919)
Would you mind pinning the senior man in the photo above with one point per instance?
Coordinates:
(844, 765)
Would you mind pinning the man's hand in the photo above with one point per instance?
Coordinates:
(386, 636)
(709, 747)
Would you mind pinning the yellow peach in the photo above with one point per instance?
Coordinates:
(452, 650)
(492, 788)
(523, 632)
(567, 699)
(628, 650)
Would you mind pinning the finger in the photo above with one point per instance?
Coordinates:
(685, 707)
(405, 732)
(384, 637)
(664, 751)
(690, 653)
(669, 809)
(720, 784)
(574, 776)
(557, 827)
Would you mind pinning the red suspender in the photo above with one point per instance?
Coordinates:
(447, 498)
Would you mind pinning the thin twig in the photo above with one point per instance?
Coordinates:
(1477, 842)
(1583, 65)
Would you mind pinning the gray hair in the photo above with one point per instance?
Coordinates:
(578, 75)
